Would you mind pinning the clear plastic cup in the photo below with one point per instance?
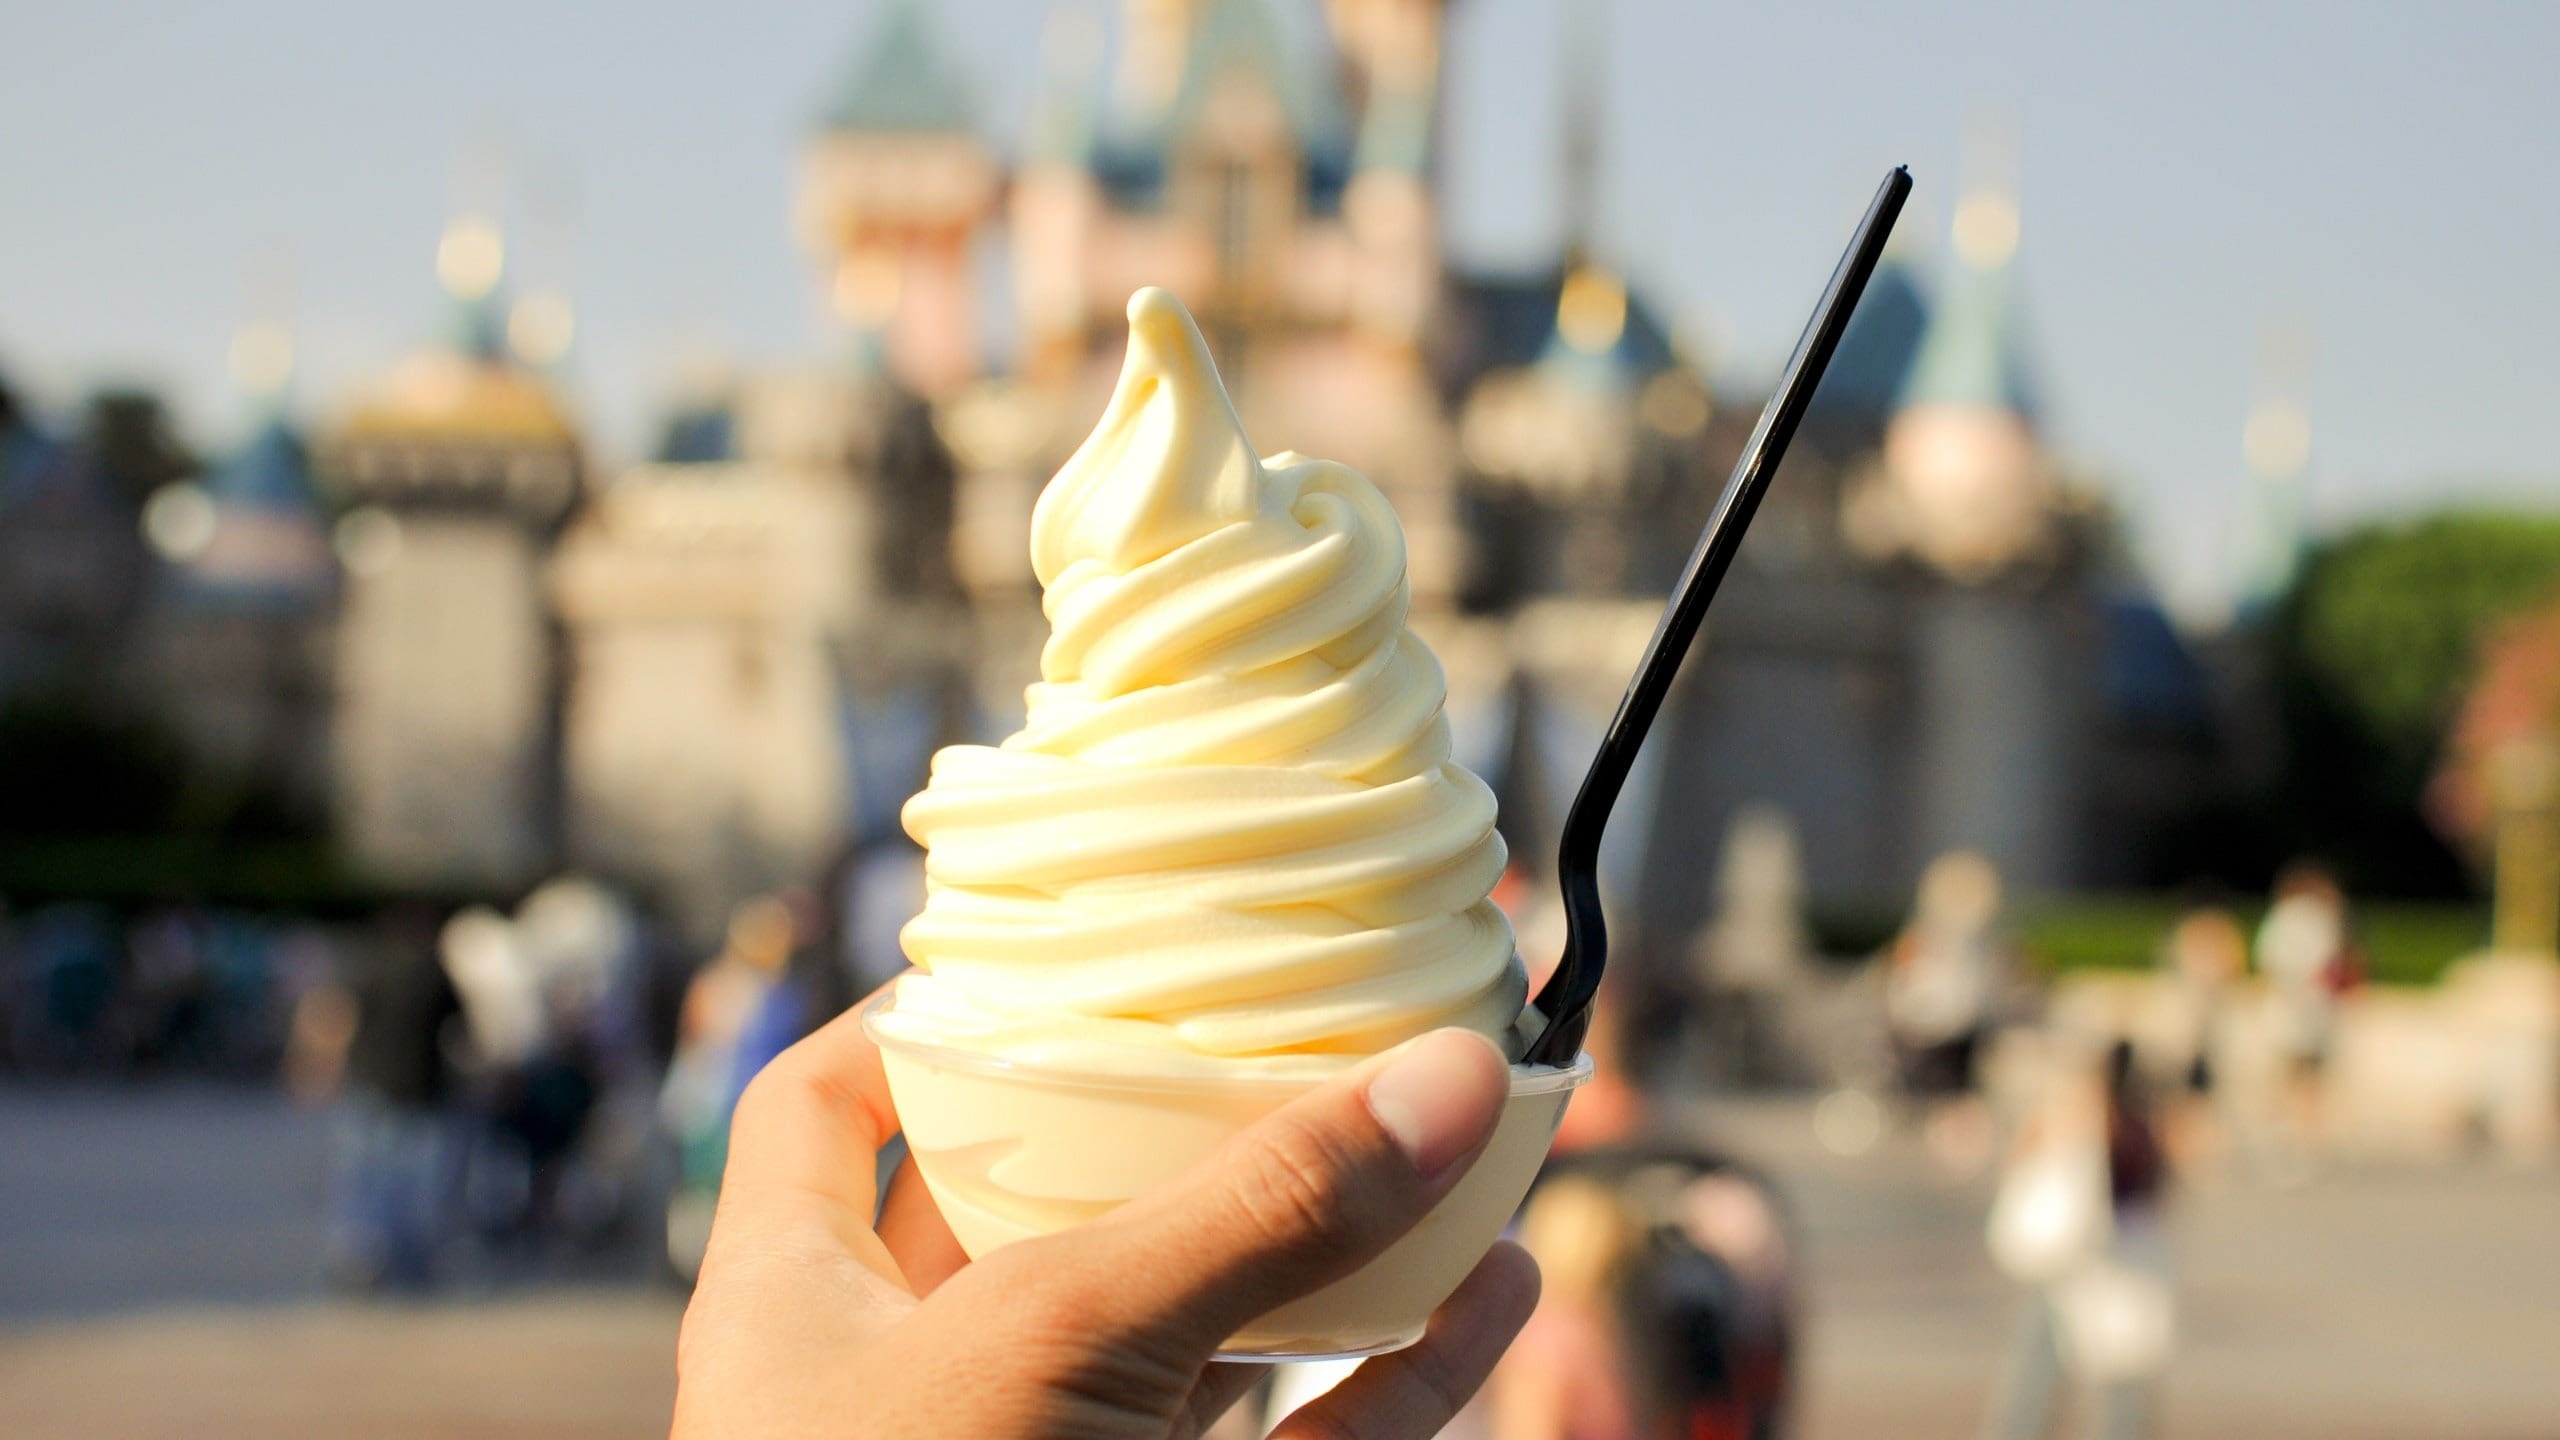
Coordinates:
(1011, 1151)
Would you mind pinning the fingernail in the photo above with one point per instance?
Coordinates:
(1438, 1096)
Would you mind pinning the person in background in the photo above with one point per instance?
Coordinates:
(2078, 1218)
(1572, 1373)
(2307, 958)
(2202, 957)
(392, 1149)
(879, 886)
(503, 1011)
(729, 998)
(1942, 978)
(1664, 1255)
(585, 942)
(1749, 963)
(1610, 1108)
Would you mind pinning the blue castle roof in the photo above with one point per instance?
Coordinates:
(704, 433)
(1242, 35)
(1874, 361)
(1395, 133)
(1234, 38)
(1969, 352)
(270, 472)
(31, 461)
(902, 81)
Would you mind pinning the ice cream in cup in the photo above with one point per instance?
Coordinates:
(1227, 856)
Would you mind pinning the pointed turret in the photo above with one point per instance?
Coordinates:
(264, 538)
(1056, 202)
(471, 265)
(461, 416)
(1389, 206)
(1386, 45)
(902, 82)
(895, 185)
(1969, 355)
(1967, 490)
(1239, 44)
(455, 473)
(1066, 114)
(1874, 362)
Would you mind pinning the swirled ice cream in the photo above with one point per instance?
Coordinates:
(1229, 833)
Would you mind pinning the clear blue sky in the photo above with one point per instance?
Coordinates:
(2382, 173)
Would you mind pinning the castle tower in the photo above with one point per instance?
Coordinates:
(1393, 52)
(1243, 123)
(1572, 451)
(1968, 490)
(454, 473)
(1387, 46)
(893, 191)
(1155, 41)
(72, 558)
(2002, 713)
(247, 579)
(252, 532)
(1056, 202)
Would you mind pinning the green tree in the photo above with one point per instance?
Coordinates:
(2372, 650)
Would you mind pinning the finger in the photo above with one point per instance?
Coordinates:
(913, 1229)
(805, 1140)
(1414, 1392)
(1221, 1386)
(1299, 1199)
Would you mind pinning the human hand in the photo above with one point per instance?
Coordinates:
(809, 1320)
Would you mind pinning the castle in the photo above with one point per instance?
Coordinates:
(724, 668)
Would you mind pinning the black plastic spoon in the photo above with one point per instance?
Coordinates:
(1566, 999)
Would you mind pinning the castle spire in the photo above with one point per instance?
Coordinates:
(261, 357)
(1970, 491)
(1969, 355)
(2276, 444)
(542, 324)
(892, 191)
(471, 264)
(1585, 51)
(1062, 129)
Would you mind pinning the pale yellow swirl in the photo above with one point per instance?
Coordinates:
(1229, 833)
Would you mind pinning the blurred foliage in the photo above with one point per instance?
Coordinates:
(132, 439)
(297, 876)
(1850, 933)
(70, 769)
(2372, 651)
(98, 805)
(2405, 942)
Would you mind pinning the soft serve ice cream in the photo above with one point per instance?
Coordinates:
(1229, 837)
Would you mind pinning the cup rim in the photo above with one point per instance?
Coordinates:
(1526, 1080)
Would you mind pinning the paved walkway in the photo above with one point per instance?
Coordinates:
(156, 1280)
(2381, 1302)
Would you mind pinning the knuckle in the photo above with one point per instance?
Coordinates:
(1436, 1375)
(1068, 1320)
(1296, 1189)
(1319, 1422)
(783, 1087)
(763, 1096)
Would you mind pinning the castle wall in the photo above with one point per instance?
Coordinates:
(2002, 715)
(1797, 697)
(445, 707)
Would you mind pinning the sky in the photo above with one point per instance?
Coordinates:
(2190, 172)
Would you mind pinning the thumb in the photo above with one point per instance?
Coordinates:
(1306, 1195)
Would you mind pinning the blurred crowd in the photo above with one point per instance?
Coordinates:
(1673, 1288)
(518, 1091)
(512, 1092)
